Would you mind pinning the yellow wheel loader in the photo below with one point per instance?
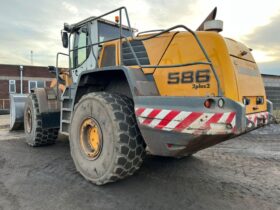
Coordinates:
(172, 92)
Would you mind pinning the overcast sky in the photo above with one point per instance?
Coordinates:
(35, 24)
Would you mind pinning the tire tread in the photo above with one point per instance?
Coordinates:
(43, 136)
(129, 139)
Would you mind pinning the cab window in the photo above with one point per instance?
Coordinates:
(108, 56)
(78, 56)
(108, 32)
(82, 53)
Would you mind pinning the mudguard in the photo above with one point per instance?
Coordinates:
(49, 107)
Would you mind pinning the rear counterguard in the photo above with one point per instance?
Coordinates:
(178, 126)
(196, 123)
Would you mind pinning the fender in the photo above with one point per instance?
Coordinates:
(49, 107)
(139, 83)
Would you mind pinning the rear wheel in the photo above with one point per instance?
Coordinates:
(106, 144)
(36, 135)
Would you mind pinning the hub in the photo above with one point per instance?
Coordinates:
(91, 138)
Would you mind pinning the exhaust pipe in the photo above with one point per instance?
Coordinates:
(17, 103)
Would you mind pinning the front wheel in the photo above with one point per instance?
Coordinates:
(35, 134)
(106, 144)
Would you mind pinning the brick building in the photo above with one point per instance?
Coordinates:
(39, 76)
(10, 80)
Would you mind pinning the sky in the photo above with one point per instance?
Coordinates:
(35, 25)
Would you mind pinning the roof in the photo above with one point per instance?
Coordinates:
(31, 66)
(92, 18)
(270, 75)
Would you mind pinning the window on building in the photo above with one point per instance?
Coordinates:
(32, 84)
(12, 86)
(40, 84)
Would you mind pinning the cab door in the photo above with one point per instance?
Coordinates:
(84, 55)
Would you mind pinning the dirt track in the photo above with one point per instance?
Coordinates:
(242, 173)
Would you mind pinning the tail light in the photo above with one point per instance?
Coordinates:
(246, 101)
(259, 100)
(208, 103)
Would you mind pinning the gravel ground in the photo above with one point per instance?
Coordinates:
(242, 173)
(4, 121)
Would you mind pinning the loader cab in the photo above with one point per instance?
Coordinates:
(86, 43)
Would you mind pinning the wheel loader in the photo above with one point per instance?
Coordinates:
(171, 92)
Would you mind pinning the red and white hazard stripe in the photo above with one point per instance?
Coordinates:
(196, 123)
(253, 118)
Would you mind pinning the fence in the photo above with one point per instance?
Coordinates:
(4, 104)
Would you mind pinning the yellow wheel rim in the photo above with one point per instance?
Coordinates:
(90, 138)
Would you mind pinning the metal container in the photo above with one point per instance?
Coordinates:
(17, 103)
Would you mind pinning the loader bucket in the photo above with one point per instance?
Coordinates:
(17, 103)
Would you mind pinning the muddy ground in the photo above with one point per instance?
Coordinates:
(242, 173)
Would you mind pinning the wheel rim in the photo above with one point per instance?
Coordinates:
(90, 138)
(29, 120)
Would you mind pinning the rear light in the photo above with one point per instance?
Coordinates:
(259, 100)
(246, 101)
(208, 103)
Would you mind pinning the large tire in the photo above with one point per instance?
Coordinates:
(36, 135)
(122, 148)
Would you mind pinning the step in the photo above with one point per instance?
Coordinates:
(66, 121)
(66, 109)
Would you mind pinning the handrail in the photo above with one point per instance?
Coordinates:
(57, 56)
(78, 25)
(121, 37)
(57, 73)
(176, 65)
(185, 64)
(149, 31)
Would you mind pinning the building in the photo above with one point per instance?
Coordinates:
(10, 81)
(39, 76)
(272, 89)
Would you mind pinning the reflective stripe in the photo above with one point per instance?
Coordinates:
(186, 122)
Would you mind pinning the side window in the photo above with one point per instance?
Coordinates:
(72, 45)
(109, 56)
(79, 55)
(12, 86)
(31, 85)
(82, 53)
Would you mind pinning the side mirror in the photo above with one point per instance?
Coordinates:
(64, 37)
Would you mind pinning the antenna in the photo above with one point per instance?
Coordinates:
(31, 57)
